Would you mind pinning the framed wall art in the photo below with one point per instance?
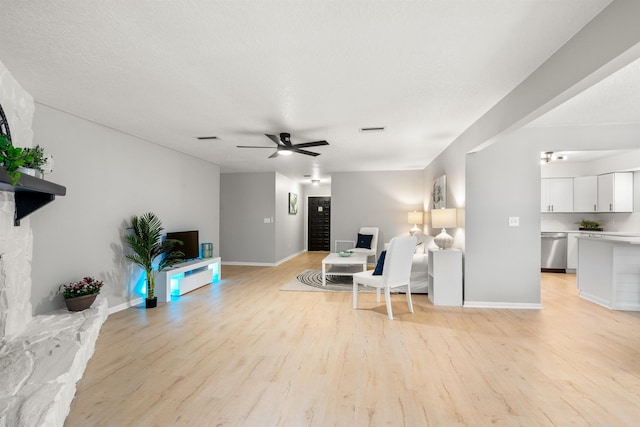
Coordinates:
(439, 193)
(293, 203)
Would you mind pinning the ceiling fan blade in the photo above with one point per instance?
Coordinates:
(252, 146)
(311, 144)
(273, 138)
(308, 153)
(275, 154)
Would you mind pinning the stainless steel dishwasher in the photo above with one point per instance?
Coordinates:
(554, 252)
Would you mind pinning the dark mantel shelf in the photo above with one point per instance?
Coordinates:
(31, 193)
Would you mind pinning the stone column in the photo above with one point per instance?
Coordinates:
(16, 243)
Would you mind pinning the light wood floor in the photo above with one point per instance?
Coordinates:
(241, 352)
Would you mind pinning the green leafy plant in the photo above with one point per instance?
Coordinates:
(86, 286)
(11, 158)
(590, 224)
(146, 243)
(34, 158)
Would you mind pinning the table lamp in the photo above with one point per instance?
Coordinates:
(444, 218)
(414, 218)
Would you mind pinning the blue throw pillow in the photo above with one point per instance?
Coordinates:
(364, 241)
(380, 264)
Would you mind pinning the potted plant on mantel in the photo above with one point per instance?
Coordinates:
(146, 242)
(11, 158)
(18, 160)
(80, 295)
(34, 161)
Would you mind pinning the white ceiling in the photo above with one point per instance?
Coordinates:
(613, 100)
(171, 71)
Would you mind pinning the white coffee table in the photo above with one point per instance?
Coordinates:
(343, 265)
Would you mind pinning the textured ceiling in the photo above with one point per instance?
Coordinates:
(170, 71)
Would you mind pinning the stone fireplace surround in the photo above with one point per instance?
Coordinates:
(41, 357)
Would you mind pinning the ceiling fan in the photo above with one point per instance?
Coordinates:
(285, 147)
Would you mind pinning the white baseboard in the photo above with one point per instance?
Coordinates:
(250, 264)
(627, 306)
(509, 305)
(597, 300)
(263, 264)
(125, 305)
(289, 257)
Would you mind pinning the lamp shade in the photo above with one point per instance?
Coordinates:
(414, 217)
(444, 218)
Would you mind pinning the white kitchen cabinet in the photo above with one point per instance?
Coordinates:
(585, 194)
(556, 195)
(615, 192)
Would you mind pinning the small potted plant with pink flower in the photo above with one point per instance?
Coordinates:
(80, 295)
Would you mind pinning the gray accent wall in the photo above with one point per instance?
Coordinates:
(246, 199)
(110, 176)
(374, 199)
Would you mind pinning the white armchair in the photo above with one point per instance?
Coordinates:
(361, 247)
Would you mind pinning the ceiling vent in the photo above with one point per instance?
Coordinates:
(207, 137)
(373, 129)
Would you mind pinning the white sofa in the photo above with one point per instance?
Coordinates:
(419, 274)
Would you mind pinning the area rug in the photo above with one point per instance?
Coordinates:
(311, 281)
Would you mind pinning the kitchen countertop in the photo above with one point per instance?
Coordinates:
(602, 233)
(633, 240)
(605, 272)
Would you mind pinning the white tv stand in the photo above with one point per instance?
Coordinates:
(186, 276)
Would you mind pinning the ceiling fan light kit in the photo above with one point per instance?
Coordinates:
(550, 156)
(285, 147)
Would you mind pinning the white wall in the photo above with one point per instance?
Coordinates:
(245, 200)
(289, 227)
(451, 164)
(502, 263)
(110, 176)
(374, 199)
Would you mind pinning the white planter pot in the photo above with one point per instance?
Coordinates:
(31, 172)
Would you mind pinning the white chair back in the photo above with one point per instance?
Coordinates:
(397, 262)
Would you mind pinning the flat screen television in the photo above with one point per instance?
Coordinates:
(191, 247)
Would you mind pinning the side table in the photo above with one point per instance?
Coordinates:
(445, 276)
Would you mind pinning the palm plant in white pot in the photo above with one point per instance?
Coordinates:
(147, 244)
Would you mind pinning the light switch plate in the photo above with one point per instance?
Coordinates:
(267, 220)
(514, 221)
